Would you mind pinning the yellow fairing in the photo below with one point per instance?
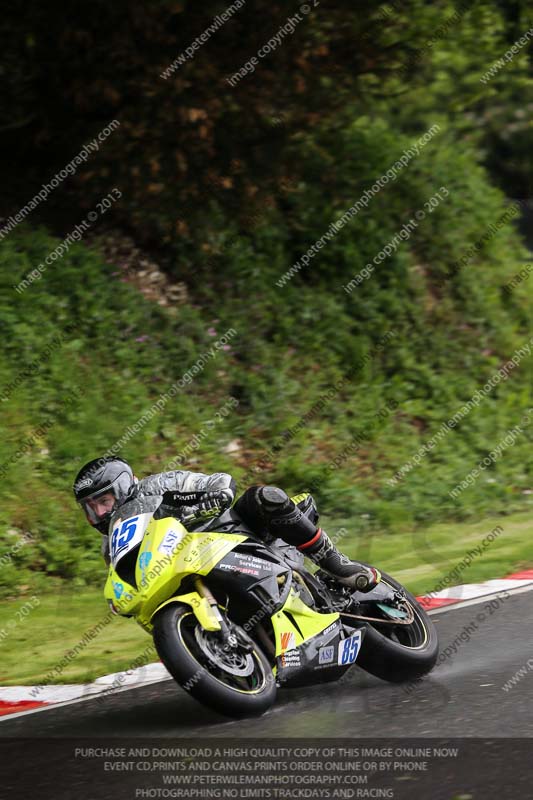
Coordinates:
(309, 622)
(167, 554)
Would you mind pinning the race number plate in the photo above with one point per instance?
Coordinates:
(126, 535)
(349, 649)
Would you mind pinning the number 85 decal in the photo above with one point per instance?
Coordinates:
(121, 536)
(349, 648)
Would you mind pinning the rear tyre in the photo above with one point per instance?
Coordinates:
(235, 681)
(399, 653)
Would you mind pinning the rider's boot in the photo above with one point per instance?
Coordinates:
(287, 521)
(353, 574)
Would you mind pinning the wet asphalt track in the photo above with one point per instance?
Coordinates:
(463, 697)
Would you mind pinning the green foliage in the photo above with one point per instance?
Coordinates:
(230, 188)
(119, 352)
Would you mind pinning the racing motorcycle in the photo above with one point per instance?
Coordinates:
(234, 618)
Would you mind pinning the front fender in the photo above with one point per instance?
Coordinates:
(200, 607)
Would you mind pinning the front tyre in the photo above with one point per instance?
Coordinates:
(399, 653)
(235, 681)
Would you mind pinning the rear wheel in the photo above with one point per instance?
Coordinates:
(399, 653)
(235, 680)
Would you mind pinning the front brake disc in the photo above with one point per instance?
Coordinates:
(230, 660)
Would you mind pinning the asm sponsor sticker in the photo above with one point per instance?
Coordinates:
(326, 654)
(349, 648)
(169, 542)
(288, 641)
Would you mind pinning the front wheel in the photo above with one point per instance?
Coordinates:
(399, 653)
(234, 680)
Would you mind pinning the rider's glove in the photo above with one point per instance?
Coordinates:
(213, 503)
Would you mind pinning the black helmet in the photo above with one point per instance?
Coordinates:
(106, 475)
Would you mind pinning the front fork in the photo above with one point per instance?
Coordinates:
(226, 634)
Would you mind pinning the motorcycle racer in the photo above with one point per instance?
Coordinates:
(104, 484)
